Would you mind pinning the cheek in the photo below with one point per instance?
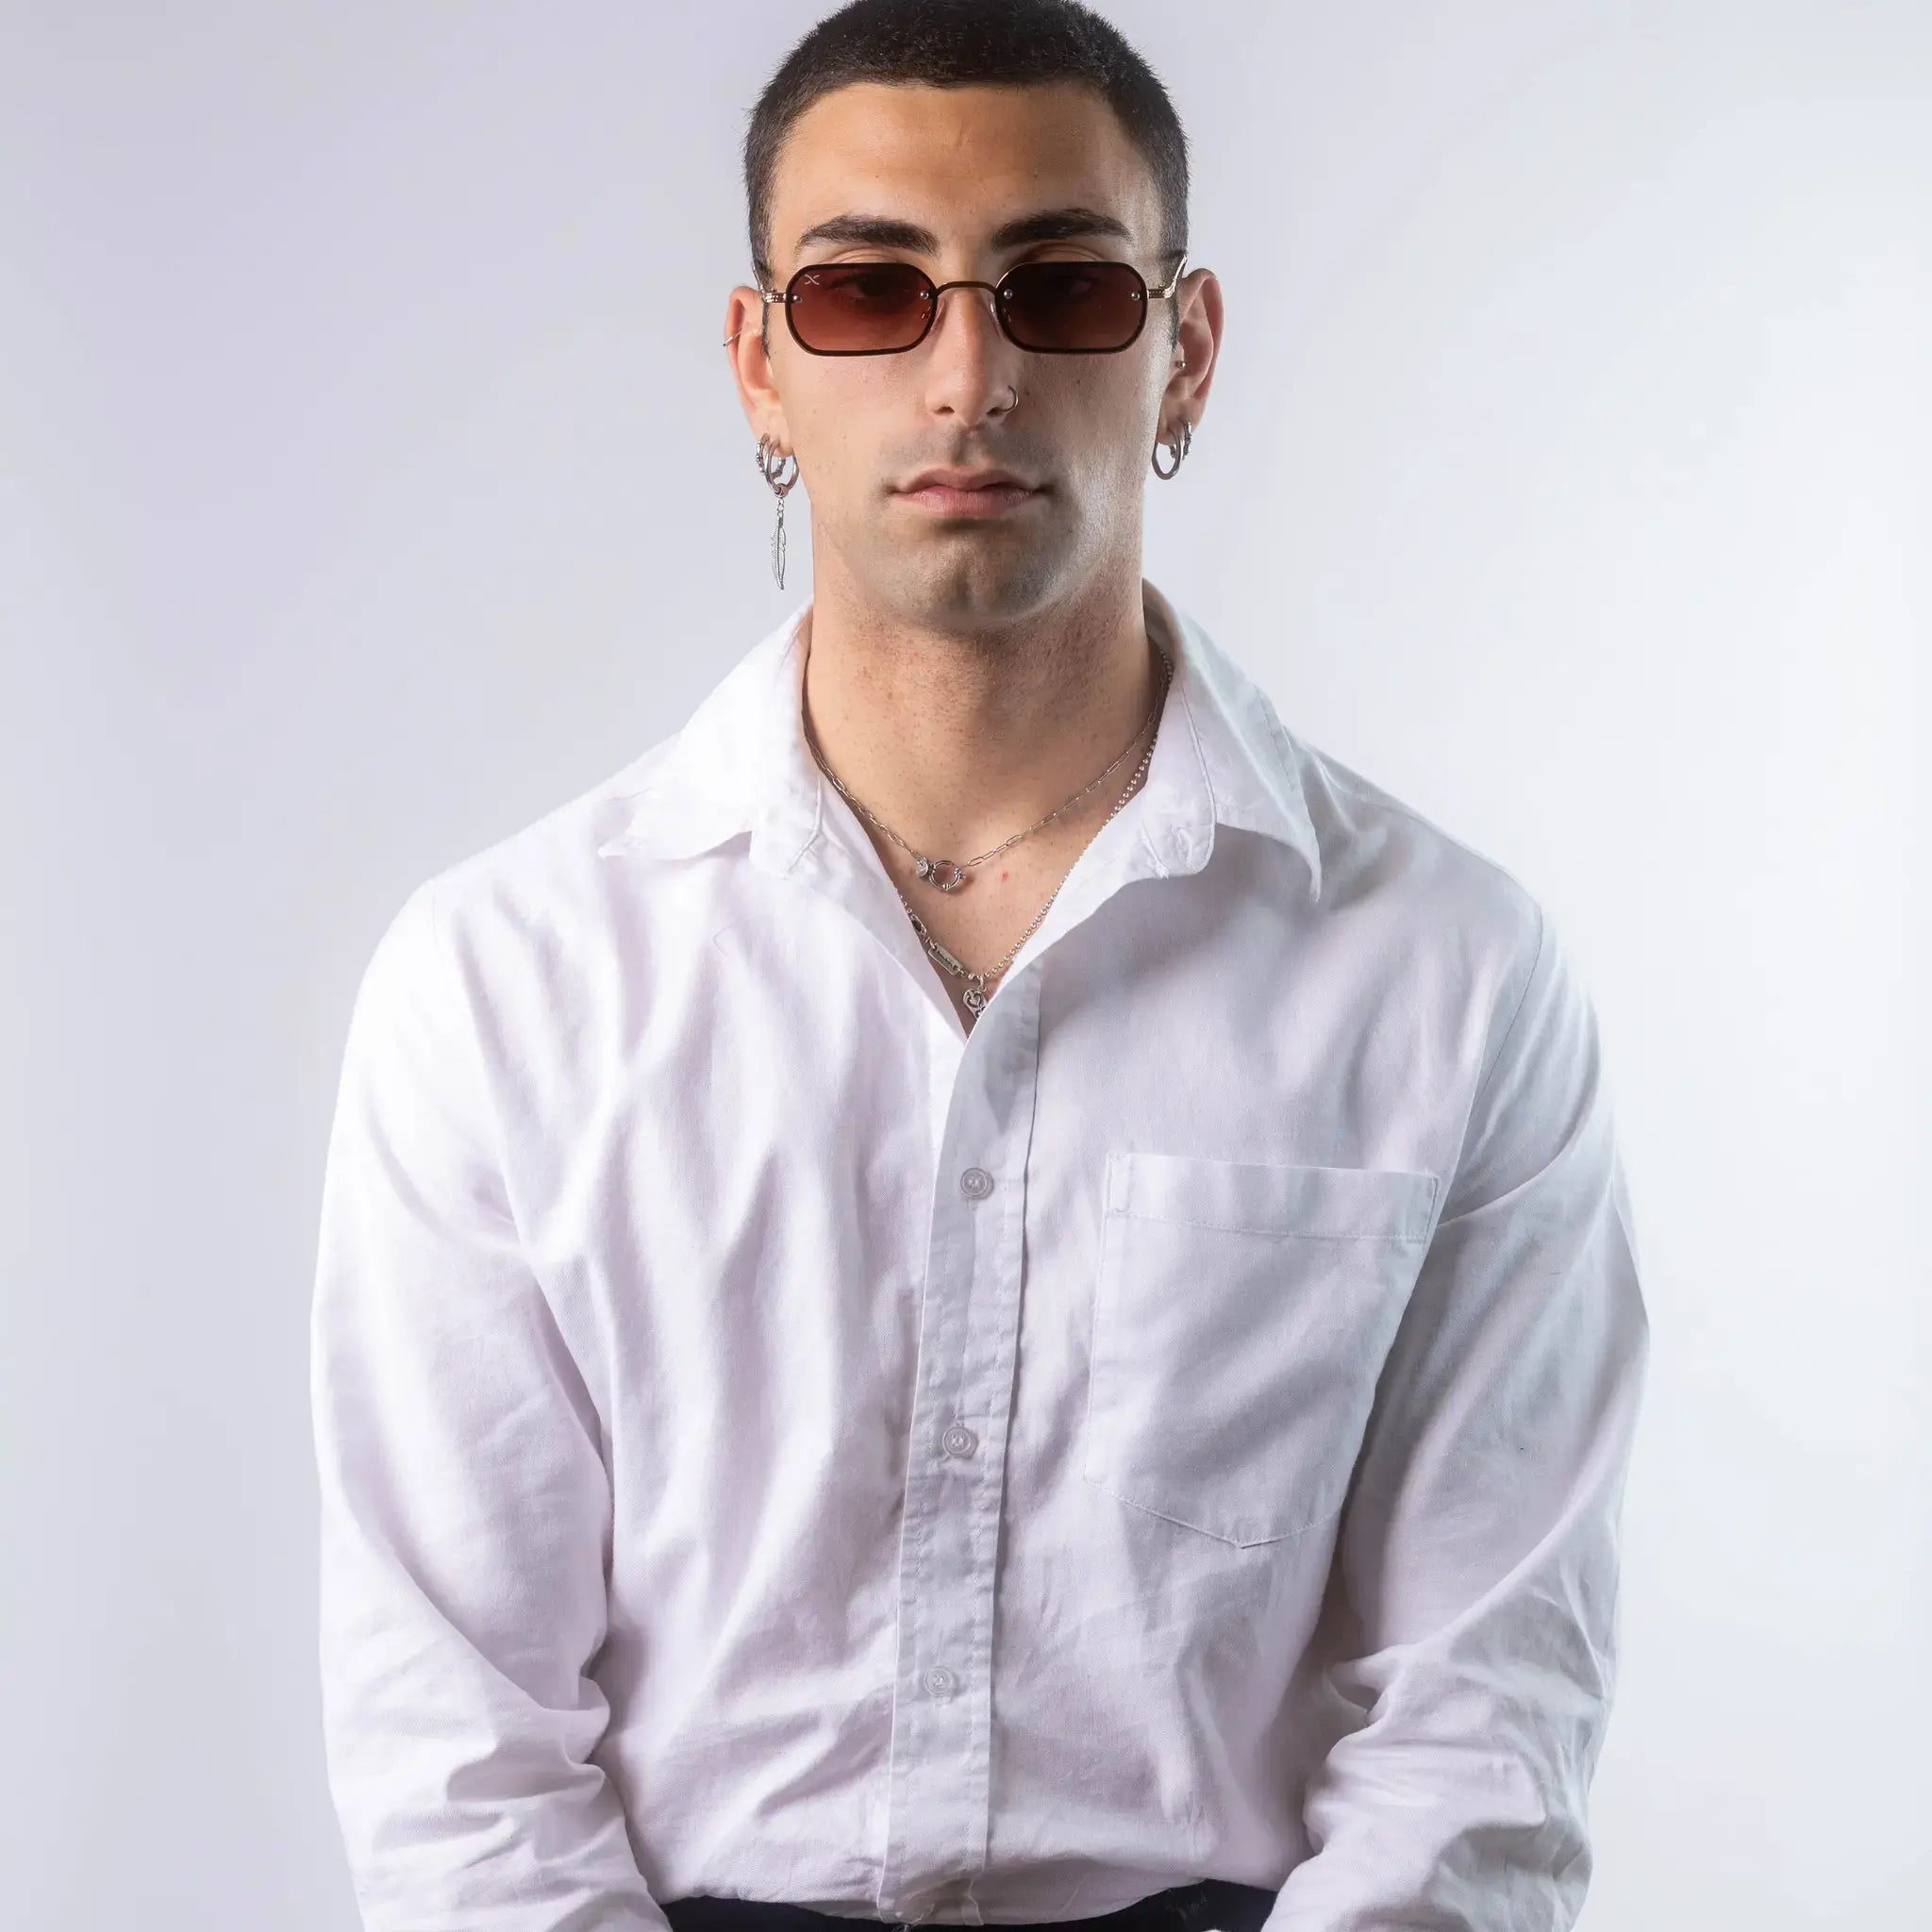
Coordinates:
(854, 445)
(828, 465)
(1101, 426)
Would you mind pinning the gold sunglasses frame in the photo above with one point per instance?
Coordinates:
(787, 296)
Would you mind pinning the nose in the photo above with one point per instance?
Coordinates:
(969, 359)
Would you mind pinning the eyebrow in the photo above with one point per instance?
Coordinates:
(885, 231)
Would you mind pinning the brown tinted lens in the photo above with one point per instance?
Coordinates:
(1074, 305)
(859, 307)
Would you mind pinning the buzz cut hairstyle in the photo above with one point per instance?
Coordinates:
(968, 44)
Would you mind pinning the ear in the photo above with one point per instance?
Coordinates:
(757, 387)
(1190, 374)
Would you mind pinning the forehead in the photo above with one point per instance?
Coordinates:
(958, 160)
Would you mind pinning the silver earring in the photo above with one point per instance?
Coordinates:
(1180, 445)
(771, 467)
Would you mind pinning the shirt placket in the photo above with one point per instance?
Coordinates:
(940, 1774)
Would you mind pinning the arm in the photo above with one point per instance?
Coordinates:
(463, 1503)
(1477, 1563)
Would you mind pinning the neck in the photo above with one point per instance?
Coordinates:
(957, 737)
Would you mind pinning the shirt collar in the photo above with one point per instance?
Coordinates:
(740, 762)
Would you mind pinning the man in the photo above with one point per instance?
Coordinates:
(985, 1290)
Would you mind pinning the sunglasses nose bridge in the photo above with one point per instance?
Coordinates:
(992, 289)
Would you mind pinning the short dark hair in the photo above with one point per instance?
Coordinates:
(970, 43)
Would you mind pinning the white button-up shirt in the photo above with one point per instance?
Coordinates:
(776, 1443)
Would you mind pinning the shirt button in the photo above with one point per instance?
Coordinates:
(961, 1440)
(975, 1184)
(939, 1681)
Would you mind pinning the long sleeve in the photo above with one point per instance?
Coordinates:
(463, 1502)
(1477, 1565)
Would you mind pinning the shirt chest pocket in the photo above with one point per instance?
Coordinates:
(1242, 1314)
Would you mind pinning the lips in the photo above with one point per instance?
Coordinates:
(967, 479)
(955, 491)
(982, 500)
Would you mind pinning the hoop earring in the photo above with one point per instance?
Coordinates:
(771, 466)
(1180, 445)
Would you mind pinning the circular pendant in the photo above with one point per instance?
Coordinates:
(974, 995)
(932, 868)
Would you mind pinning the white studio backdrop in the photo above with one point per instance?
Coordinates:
(372, 481)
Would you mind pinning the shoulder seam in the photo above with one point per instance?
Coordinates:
(1391, 802)
(458, 1020)
(1542, 926)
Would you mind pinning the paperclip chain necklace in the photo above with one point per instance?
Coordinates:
(974, 996)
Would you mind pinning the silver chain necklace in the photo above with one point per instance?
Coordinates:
(974, 996)
(955, 874)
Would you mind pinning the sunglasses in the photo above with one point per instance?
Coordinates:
(1050, 308)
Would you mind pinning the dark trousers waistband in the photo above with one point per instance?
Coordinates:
(1208, 1905)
